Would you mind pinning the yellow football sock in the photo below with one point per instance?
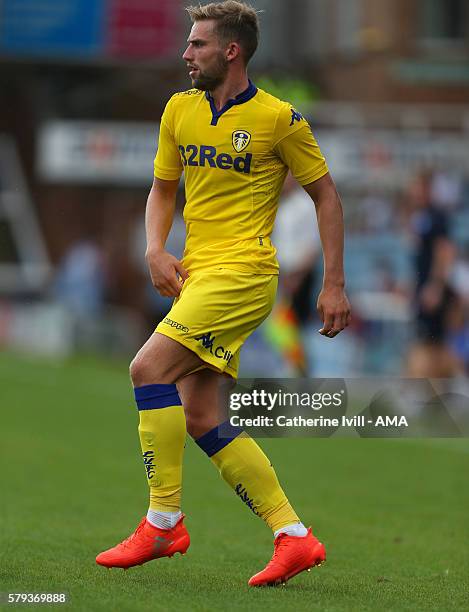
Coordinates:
(250, 474)
(162, 432)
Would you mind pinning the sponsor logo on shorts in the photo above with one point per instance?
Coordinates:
(148, 457)
(177, 326)
(243, 494)
(208, 342)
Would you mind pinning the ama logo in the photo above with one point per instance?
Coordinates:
(240, 140)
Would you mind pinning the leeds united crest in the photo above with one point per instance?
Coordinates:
(240, 140)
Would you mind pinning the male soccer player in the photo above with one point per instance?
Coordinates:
(234, 143)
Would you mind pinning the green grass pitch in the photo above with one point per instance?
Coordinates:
(394, 514)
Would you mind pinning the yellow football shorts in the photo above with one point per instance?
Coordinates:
(215, 313)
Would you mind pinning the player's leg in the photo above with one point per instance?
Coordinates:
(248, 471)
(162, 430)
(240, 460)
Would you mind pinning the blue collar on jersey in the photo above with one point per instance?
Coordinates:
(244, 96)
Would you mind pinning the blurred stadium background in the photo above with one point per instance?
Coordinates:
(83, 83)
(385, 86)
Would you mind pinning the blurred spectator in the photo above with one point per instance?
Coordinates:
(459, 321)
(385, 278)
(430, 356)
(80, 281)
(377, 213)
(296, 238)
(446, 190)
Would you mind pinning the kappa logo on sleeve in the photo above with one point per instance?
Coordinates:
(295, 116)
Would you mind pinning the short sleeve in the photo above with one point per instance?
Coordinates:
(296, 146)
(167, 164)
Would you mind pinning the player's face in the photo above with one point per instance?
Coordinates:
(205, 57)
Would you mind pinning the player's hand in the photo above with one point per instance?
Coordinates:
(167, 272)
(334, 310)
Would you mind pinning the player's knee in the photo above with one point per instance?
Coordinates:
(150, 369)
(143, 372)
(136, 371)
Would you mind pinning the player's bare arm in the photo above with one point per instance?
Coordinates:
(333, 305)
(166, 271)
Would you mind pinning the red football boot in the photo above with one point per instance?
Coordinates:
(292, 555)
(146, 543)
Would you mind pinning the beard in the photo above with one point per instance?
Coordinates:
(212, 77)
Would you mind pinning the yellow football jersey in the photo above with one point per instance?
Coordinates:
(235, 162)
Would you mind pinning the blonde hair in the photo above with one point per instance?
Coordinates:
(235, 21)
